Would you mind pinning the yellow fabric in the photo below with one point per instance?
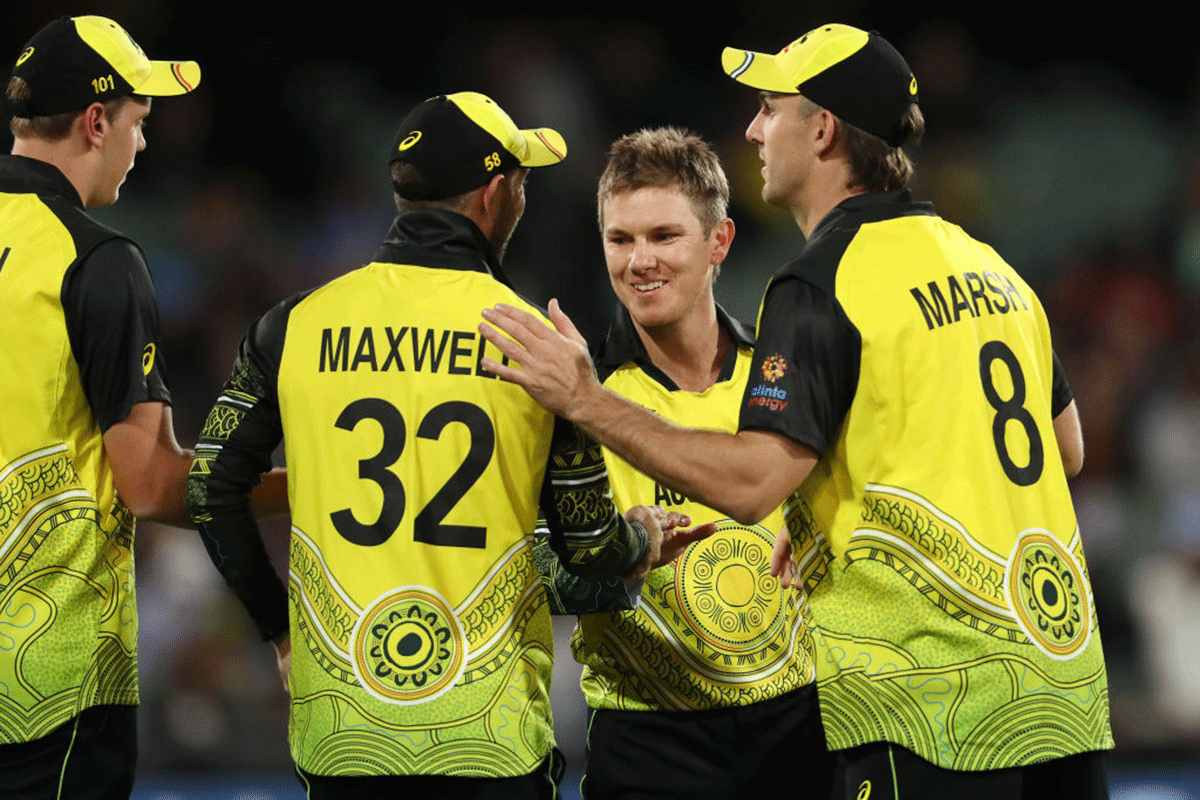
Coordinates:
(447, 670)
(950, 585)
(713, 629)
(68, 622)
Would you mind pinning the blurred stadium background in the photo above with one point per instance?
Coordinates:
(1068, 143)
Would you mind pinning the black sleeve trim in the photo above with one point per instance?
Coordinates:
(112, 325)
(1061, 395)
(804, 374)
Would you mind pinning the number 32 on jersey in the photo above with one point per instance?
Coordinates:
(428, 525)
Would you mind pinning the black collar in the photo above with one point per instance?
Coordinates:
(432, 237)
(622, 345)
(871, 207)
(38, 177)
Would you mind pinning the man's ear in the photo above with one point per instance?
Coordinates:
(724, 231)
(492, 191)
(825, 133)
(95, 124)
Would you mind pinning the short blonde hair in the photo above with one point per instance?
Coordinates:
(671, 158)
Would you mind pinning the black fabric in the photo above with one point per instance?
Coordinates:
(442, 239)
(871, 89)
(112, 322)
(622, 345)
(92, 754)
(1061, 395)
(805, 368)
(21, 174)
(808, 352)
(61, 71)
(883, 769)
(715, 754)
(454, 154)
(541, 784)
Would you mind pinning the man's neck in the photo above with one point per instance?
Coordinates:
(809, 214)
(690, 352)
(62, 154)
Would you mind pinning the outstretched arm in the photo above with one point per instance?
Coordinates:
(744, 475)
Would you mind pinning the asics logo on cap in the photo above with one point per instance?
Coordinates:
(409, 141)
(24, 56)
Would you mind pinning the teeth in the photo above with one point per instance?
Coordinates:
(645, 287)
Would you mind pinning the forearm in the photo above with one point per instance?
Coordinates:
(270, 498)
(744, 476)
(231, 537)
(149, 467)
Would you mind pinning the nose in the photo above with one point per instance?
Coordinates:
(754, 129)
(641, 257)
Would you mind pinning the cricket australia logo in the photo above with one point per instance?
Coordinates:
(1047, 590)
(408, 646)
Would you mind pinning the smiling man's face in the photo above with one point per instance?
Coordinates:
(659, 258)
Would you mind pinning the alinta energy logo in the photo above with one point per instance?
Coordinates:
(774, 368)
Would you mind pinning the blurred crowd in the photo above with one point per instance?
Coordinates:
(1085, 183)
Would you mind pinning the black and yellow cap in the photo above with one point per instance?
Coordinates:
(76, 61)
(459, 141)
(855, 74)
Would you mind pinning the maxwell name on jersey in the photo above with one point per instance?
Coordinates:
(970, 292)
(374, 350)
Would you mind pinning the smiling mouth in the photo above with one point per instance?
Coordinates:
(649, 287)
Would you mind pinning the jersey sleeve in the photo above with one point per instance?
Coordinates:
(571, 595)
(587, 533)
(1060, 393)
(235, 446)
(805, 368)
(112, 324)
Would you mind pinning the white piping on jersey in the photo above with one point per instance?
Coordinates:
(35, 455)
(235, 401)
(33, 511)
(602, 476)
(952, 583)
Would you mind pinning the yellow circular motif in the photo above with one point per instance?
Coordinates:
(24, 56)
(408, 646)
(735, 585)
(723, 586)
(1047, 590)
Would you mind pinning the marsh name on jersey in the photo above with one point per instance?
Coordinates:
(938, 312)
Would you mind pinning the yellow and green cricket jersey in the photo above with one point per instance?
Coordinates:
(945, 564)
